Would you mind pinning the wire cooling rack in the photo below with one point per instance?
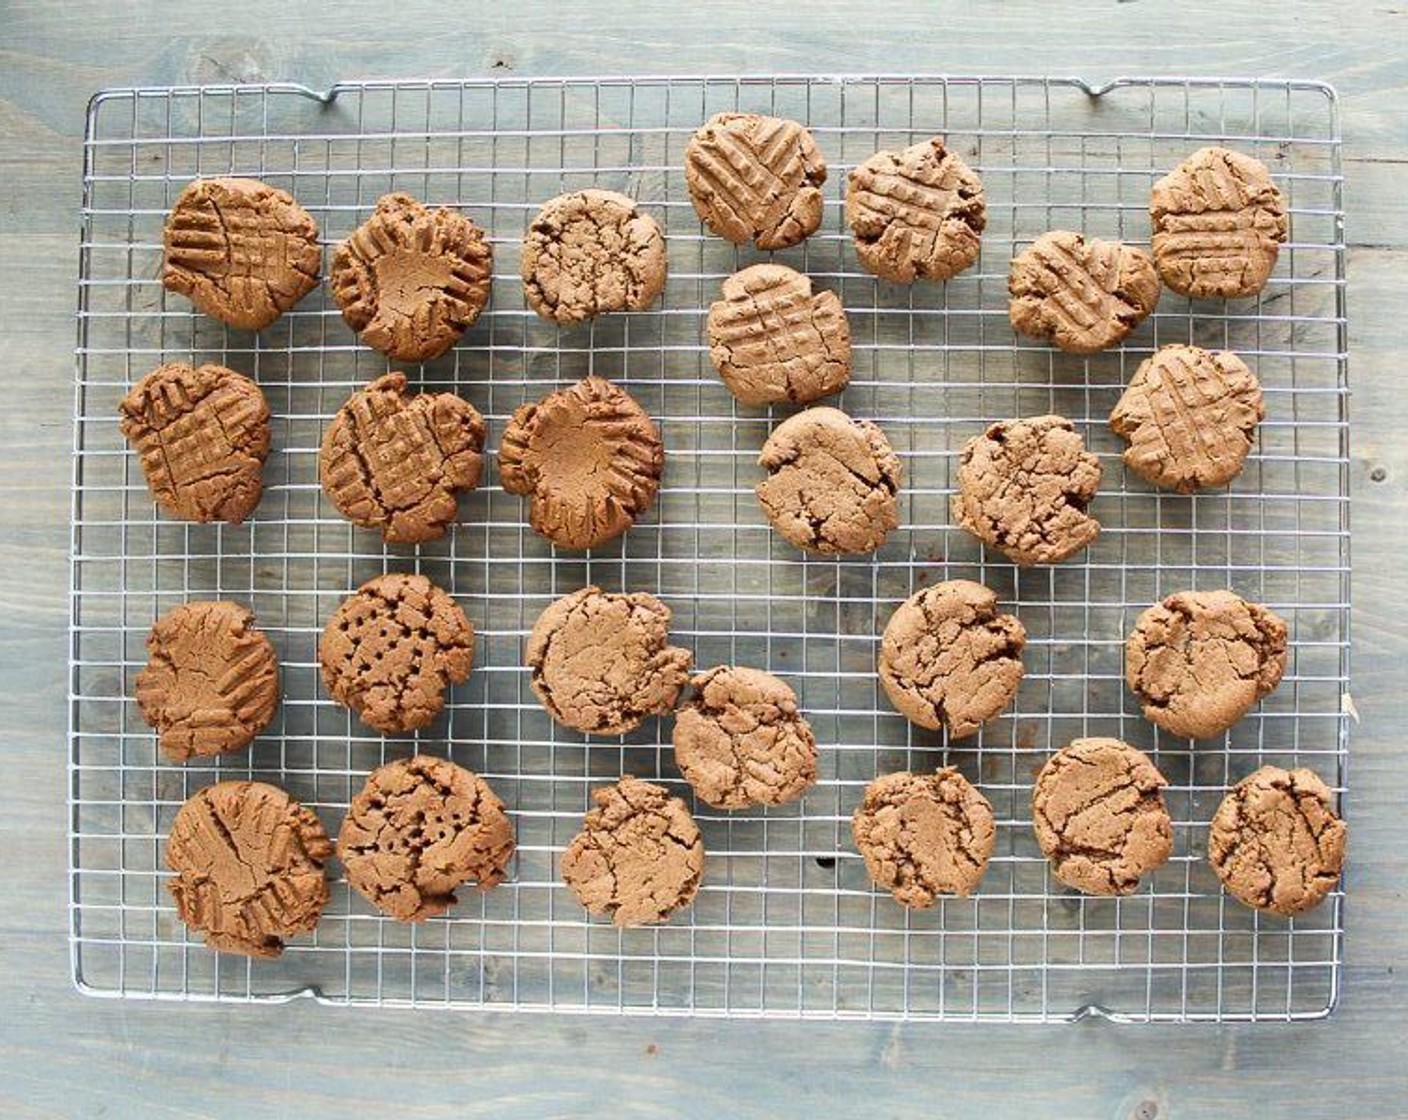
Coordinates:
(786, 923)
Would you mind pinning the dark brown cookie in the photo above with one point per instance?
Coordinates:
(409, 280)
(1023, 488)
(755, 178)
(211, 682)
(917, 214)
(1219, 222)
(639, 856)
(832, 482)
(923, 835)
(1200, 659)
(396, 462)
(249, 867)
(1100, 818)
(420, 828)
(392, 648)
(202, 435)
(240, 250)
(589, 253)
(601, 662)
(773, 340)
(950, 658)
(588, 457)
(1080, 294)
(1189, 416)
(1276, 842)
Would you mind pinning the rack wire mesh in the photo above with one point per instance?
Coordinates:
(786, 923)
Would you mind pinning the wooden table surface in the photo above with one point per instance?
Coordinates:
(62, 1055)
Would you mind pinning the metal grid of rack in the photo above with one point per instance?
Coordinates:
(786, 923)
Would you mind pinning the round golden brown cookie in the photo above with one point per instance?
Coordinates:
(242, 251)
(249, 867)
(588, 458)
(923, 835)
(950, 658)
(1100, 818)
(1200, 659)
(211, 682)
(410, 280)
(1023, 488)
(392, 648)
(832, 482)
(1189, 416)
(601, 661)
(1082, 294)
(755, 178)
(917, 213)
(420, 828)
(773, 340)
(639, 856)
(202, 435)
(1219, 222)
(1276, 842)
(396, 462)
(589, 253)
(741, 741)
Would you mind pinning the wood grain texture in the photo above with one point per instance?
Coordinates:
(64, 1056)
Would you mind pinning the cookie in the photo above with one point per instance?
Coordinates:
(392, 648)
(589, 253)
(589, 460)
(773, 340)
(1081, 294)
(249, 867)
(949, 658)
(211, 682)
(639, 856)
(1189, 416)
(601, 662)
(755, 178)
(410, 281)
(923, 835)
(917, 213)
(242, 251)
(1200, 659)
(1219, 222)
(1023, 488)
(202, 435)
(1276, 842)
(1100, 818)
(740, 741)
(420, 828)
(832, 483)
(396, 462)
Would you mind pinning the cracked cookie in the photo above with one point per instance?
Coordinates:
(202, 435)
(601, 661)
(1099, 813)
(392, 648)
(589, 460)
(832, 482)
(949, 658)
(1189, 416)
(249, 867)
(589, 253)
(639, 856)
(1023, 488)
(419, 828)
(396, 462)
(1200, 659)
(242, 251)
(773, 340)
(1275, 841)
